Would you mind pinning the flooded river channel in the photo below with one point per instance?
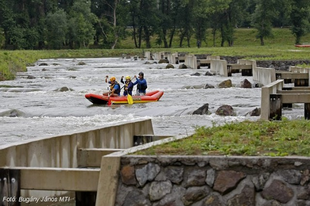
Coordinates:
(33, 106)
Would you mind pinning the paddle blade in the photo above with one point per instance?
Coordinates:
(129, 99)
(109, 102)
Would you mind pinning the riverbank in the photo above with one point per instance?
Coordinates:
(280, 47)
(16, 61)
(259, 138)
(37, 104)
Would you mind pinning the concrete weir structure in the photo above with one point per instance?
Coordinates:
(66, 164)
(275, 95)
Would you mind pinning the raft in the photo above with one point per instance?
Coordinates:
(148, 97)
(303, 45)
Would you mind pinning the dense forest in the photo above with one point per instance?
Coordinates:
(73, 24)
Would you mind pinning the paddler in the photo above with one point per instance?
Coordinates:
(114, 88)
(141, 84)
(128, 85)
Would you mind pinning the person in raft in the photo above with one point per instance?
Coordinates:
(114, 88)
(141, 84)
(128, 85)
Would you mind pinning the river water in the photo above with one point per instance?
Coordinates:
(33, 107)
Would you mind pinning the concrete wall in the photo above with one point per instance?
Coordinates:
(213, 58)
(247, 62)
(264, 76)
(299, 70)
(61, 151)
(191, 61)
(219, 67)
(159, 55)
(172, 58)
(271, 88)
(147, 55)
(213, 180)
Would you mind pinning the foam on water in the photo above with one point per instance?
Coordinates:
(43, 110)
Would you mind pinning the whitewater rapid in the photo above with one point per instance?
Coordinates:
(33, 105)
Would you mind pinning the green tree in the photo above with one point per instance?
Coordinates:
(134, 21)
(265, 12)
(113, 21)
(7, 20)
(231, 18)
(81, 20)
(144, 17)
(283, 7)
(165, 22)
(300, 18)
(169, 11)
(57, 27)
(2, 38)
(200, 20)
(185, 22)
(215, 10)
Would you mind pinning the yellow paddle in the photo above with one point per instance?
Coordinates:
(129, 99)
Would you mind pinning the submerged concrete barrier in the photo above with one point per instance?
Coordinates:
(191, 61)
(61, 151)
(172, 58)
(57, 159)
(275, 95)
(264, 76)
(219, 67)
(267, 90)
(207, 61)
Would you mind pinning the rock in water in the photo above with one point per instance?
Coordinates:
(225, 110)
(202, 110)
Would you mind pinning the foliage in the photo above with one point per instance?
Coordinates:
(300, 17)
(265, 12)
(81, 19)
(103, 23)
(261, 138)
(1, 38)
(112, 21)
(279, 48)
(144, 20)
(56, 28)
(200, 20)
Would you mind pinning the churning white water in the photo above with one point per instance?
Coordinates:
(33, 106)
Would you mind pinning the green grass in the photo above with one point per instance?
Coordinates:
(261, 138)
(15, 61)
(246, 138)
(243, 37)
(281, 47)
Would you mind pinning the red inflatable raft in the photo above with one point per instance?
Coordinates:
(148, 97)
(303, 45)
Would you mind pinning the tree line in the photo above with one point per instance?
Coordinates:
(61, 24)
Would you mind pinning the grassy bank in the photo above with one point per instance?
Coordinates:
(243, 37)
(261, 138)
(246, 138)
(281, 47)
(16, 61)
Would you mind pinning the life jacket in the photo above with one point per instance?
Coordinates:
(126, 86)
(117, 91)
(142, 87)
